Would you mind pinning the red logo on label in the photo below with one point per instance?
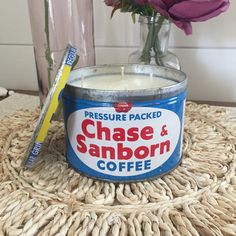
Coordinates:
(96, 130)
(123, 106)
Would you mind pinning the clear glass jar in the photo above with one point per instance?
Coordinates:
(54, 24)
(154, 38)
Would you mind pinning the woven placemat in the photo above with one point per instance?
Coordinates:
(197, 198)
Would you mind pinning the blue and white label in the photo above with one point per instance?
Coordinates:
(124, 142)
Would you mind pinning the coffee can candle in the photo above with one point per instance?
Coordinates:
(124, 123)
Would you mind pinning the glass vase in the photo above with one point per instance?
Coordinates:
(154, 38)
(54, 24)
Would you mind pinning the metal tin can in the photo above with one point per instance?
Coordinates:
(124, 135)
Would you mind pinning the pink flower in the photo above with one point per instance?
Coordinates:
(183, 12)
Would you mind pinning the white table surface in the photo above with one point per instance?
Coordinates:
(17, 101)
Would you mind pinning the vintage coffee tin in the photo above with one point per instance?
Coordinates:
(124, 135)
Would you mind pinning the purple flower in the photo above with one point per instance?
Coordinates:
(183, 12)
(141, 2)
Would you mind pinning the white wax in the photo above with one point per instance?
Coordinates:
(129, 82)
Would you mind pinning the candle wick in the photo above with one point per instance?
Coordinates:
(82, 81)
(122, 73)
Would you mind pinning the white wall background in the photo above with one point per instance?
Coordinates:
(208, 56)
(17, 67)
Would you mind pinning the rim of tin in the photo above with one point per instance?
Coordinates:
(103, 95)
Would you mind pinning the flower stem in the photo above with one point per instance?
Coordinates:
(157, 49)
(146, 53)
(47, 49)
(152, 39)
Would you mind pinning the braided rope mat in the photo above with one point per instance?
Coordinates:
(197, 198)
